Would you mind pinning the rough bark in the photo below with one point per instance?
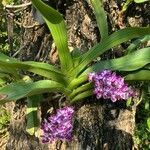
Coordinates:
(99, 125)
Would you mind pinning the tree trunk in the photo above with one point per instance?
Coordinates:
(99, 124)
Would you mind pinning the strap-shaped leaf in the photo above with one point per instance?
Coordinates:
(43, 69)
(132, 47)
(20, 90)
(32, 114)
(142, 75)
(77, 81)
(5, 68)
(9, 70)
(101, 17)
(58, 30)
(82, 95)
(45, 73)
(80, 89)
(113, 40)
(130, 62)
(6, 59)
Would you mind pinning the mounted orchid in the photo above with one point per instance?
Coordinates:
(73, 76)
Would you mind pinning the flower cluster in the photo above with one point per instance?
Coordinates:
(108, 85)
(58, 126)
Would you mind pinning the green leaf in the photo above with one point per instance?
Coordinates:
(80, 89)
(101, 17)
(142, 75)
(20, 90)
(76, 53)
(77, 81)
(113, 40)
(5, 68)
(140, 1)
(128, 102)
(9, 65)
(32, 114)
(26, 64)
(4, 74)
(58, 30)
(2, 81)
(10, 71)
(82, 96)
(130, 62)
(125, 6)
(148, 123)
(136, 43)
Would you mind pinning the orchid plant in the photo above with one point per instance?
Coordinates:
(71, 77)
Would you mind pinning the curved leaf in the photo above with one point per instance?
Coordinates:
(132, 47)
(7, 70)
(40, 68)
(130, 62)
(113, 40)
(142, 75)
(77, 81)
(58, 30)
(6, 59)
(20, 90)
(80, 89)
(81, 96)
